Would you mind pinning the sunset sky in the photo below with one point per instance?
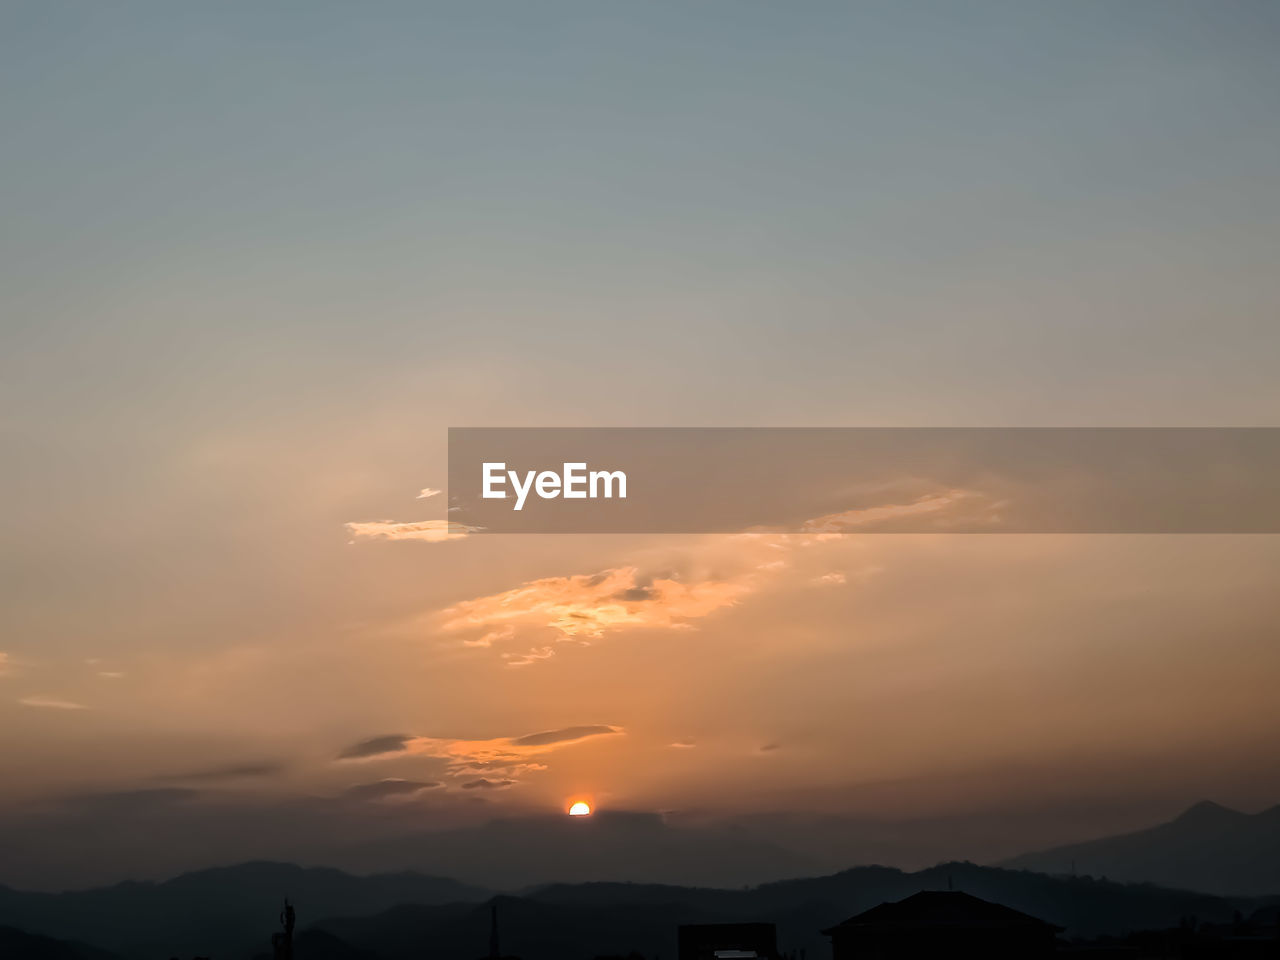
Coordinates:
(257, 258)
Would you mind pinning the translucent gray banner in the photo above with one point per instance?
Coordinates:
(865, 480)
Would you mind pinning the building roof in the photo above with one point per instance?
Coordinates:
(941, 908)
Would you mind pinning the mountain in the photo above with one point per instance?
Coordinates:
(585, 920)
(21, 945)
(223, 912)
(518, 852)
(231, 912)
(1209, 847)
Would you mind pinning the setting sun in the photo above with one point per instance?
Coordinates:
(580, 809)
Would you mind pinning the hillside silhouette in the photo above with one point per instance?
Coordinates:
(1208, 847)
(230, 912)
(20, 945)
(619, 918)
(221, 912)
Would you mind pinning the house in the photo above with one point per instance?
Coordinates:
(935, 923)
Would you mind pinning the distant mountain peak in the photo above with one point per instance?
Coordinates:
(1206, 811)
(1209, 848)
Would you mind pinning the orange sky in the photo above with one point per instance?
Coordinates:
(252, 275)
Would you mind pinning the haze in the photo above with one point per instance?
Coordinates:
(257, 258)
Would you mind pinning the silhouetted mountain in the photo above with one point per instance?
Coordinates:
(583, 920)
(17, 944)
(530, 929)
(520, 852)
(835, 840)
(223, 912)
(231, 912)
(1209, 847)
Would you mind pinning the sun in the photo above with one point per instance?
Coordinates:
(580, 809)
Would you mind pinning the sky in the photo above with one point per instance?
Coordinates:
(256, 259)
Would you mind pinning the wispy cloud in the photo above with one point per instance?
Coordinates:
(427, 531)
(529, 656)
(426, 493)
(713, 574)
(391, 788)
(945, 508)
(51, 703)
(377, 746)
(237, 771)
(6, 665)
(548, 738)
(486, 784)
(583, 607)
(492, 637)
(504, 756)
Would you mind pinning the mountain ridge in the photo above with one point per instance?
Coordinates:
(220, 911)
(1207, 847)
(620, 918)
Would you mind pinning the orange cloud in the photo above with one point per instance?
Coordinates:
(528, 657)
(428, 531)
(583, 607)
(946, 508)
(51, 703)
(718, 572)
(504, 756)
(492, 637)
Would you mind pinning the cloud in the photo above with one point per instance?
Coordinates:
(390, 788)
(486, 784)
(584, 606)
(564, 735)
(428, 531)
(686, 744)
(672, 589)
(770, 747)
(507, 756)
(377, 746)
(528, 657)
(6, 664)
(946, 508)
(111, 674)
(269, 768)
(492, 637)
(714, 573)
(426, 493)
(51, 703)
